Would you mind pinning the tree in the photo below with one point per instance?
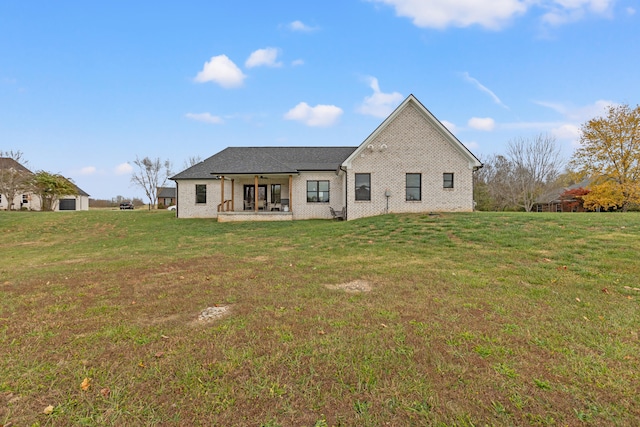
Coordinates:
(535, 164)
(192, 161)
(574, 198)
(603, 196)
(495, 184)
(50, 187)
(150, 175)
(14, 177)
(609, 153)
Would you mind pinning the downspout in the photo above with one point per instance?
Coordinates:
(177, 204)
(473, 186)
(346, 193)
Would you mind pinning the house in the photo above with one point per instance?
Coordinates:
(166, 196)
(566, 199)
(27, 200)
(410, 163)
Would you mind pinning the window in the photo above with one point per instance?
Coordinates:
(447, 180)
(363, 186)
(275, 193)
(318, 191)
(414, 186)
(201, 193)
(25, 199)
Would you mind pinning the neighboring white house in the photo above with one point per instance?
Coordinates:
(410, 163)
(28, 200)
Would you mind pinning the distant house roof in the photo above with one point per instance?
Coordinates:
(555, 195)
(80, 191)
(267, 160)
(8, 163)
(167, 192)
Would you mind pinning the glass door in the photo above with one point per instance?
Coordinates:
(249, 197)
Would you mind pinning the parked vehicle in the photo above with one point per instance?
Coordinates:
(171, 208)
(126, 205)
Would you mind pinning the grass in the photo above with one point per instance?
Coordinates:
(473, 320)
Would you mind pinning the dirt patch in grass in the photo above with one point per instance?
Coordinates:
(354, 286)
(213, 313)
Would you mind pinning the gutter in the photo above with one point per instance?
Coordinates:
(346, 193)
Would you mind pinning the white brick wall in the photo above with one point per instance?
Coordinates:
(308, 210)
(413, 145)
(187, 206)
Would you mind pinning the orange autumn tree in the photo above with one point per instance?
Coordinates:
(609, 152)
(574, 198)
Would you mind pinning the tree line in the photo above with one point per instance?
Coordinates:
(607, 163)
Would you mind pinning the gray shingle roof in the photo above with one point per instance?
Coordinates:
(166, 192)
(81, 192)
(7, 163)
(267, 160)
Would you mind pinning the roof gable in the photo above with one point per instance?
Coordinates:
(430, 118)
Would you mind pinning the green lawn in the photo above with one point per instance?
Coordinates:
(471, 320)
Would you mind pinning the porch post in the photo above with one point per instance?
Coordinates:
(290, 193)
(233, 195)
(222, 193)
(255, 193)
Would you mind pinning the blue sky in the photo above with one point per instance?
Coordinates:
(85, 87)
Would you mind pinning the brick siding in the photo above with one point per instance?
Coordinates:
(410, 144)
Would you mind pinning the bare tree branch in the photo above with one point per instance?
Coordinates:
(150, 175)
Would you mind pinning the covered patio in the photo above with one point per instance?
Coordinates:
(257, 197)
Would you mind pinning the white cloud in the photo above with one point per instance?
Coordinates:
(452, 127)
(297, 62)
(205, 117)
(301, 27)
(87, 170)
(484, 89)
(579, 114)
(471, 145)
(220, 69)
(379, 104)
(572, 118)
(564, 11)
(479, 123)
(531, 126)
(263, 58)
(567, 131)
(492, 14)
(320, 115)
(631, 11)
(123, 169)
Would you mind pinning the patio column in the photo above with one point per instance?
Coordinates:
(290, 193)
(233, 195)
(222, 193)
(255, 193)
